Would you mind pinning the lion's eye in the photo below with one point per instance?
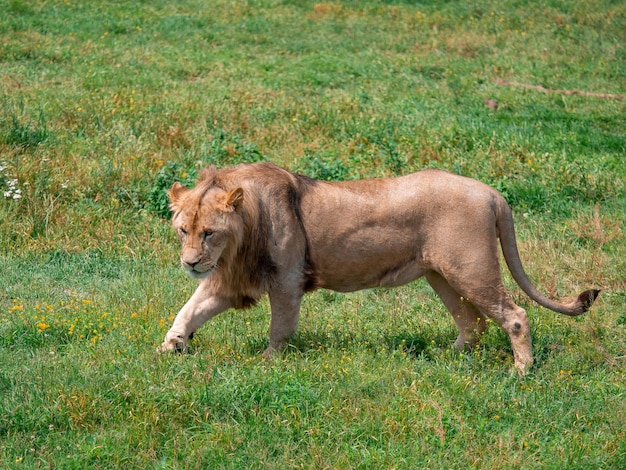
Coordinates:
(209, 234)
(183, 232)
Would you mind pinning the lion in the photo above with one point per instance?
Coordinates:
(252, 229)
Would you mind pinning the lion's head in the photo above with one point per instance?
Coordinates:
(209, 225)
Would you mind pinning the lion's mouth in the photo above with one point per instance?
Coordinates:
(199, 272)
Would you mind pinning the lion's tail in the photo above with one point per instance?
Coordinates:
(504, 223)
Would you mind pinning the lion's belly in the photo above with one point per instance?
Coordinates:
(343, 280)
(351, 263)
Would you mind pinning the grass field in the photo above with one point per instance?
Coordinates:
(104, 104)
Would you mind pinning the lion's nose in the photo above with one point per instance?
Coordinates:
(192, 263)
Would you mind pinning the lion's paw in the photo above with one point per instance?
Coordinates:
(269, 353)
(273, 350)
(174, 342)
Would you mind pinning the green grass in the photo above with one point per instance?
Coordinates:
(104, 104)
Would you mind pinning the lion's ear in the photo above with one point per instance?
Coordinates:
(176, 192)
(233, 200)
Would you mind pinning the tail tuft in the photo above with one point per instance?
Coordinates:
(587, 298)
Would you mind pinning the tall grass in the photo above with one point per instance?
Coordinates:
(103, 105)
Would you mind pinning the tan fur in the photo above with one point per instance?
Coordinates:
(251, 229)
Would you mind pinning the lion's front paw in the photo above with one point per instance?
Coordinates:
(269, 353)
(274, 350)
(174, 342)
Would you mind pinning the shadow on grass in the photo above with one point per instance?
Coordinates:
(414, 345)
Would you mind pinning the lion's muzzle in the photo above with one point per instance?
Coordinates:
(198, 271)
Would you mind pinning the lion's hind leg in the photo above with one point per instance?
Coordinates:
(469, 320)
(514, 321)
(495, 303)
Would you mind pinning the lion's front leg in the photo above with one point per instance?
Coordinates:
(202, 305)
(285, 313)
